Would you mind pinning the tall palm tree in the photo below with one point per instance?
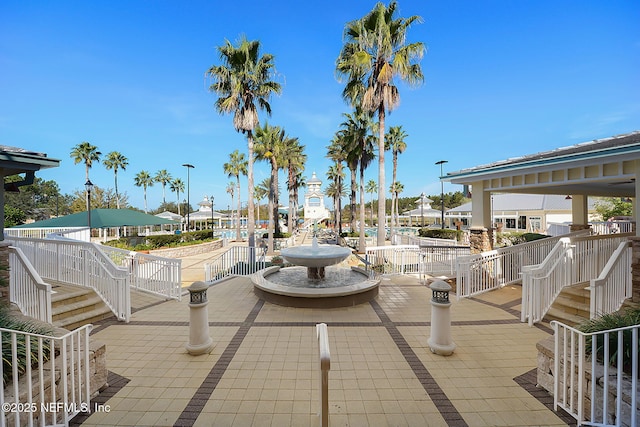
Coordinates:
(177, 186)
(371, 188)
(243, 80)
(163, 177)
(114, 161)
(395, 189)
(298, 182)
(294, 160)
(335, 190)
(374, 53)
(336, 152)
(270, 146)
(236, 166)
(260, 192)
(231, 189)
(143, 179)
(394, 141)
(87, 154)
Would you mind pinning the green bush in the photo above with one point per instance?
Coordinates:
(515, 238)
(161, 241)
(630, 317)
(439, 233)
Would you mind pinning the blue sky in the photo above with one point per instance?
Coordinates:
(503, 78)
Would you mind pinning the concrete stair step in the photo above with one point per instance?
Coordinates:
(570, 305)
(74, 306)
(564, 317)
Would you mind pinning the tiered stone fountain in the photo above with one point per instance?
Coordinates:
(316, 282)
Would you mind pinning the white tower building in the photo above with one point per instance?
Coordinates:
(314, 208)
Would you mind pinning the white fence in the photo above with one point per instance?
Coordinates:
(150, 273)
(404, 239)
(572, 261)
(80, 264)
(411, 259)
(27, 289)
(590, 381)
(236, 261)
(76, 233)
(47, 378)
(614, 284)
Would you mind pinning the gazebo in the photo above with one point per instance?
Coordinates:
(205, 214)
(423, 211)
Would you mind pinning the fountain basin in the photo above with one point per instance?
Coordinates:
(315, 255)
(353, 293)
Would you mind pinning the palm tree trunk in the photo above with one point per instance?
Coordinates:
(239, 208)
(382, 203)
(354, 186)
(361, 240)
(251, 223)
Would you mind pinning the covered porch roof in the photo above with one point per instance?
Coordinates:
(102, 218)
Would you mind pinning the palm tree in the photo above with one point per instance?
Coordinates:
(114, 161)
(336, 152)
(375, 51)
(241, 82)
(394, 141)
(260, 192)
(371, 188)
(270, 147)
(163, 177)
(177, 186)
(395, 189)
(87, 154)
(335, 190)
(236, 166)
(231, 189)
(294, 160)
(143, 179)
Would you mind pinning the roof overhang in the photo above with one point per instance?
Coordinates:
(599, 168)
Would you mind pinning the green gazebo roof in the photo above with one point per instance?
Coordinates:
(102, 218)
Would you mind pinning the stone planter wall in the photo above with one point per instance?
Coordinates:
(183, 251)
(545, 378)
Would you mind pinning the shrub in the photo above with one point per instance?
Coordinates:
(630, 317)
(515, 238)
(439, 233)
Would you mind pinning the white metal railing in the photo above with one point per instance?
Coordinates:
(438, 260)
(325, 365)
(613, 227)
(411, 259)
(479, 273)
(149, 273)
(590, 381)
(76, 233)
(47, 379)
(609, 290)
(404, 239)
(81, 264)
(27, 290)
(572, 261)
(236, 261)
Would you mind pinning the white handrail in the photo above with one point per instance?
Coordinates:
(51, 391)
(235, 261)
(325, 365)
(27, 289)
(609, 290)
(588, 369)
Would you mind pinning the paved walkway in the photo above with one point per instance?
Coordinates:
(263, 370)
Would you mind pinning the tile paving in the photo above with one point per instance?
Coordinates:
(264, 369)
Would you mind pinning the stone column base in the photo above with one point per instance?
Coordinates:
(578, 227)
(635, 269)
(480, 239)
(4, 272)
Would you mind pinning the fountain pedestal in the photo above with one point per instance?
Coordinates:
(315, 273)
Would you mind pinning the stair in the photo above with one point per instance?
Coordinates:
(74, 306)
(572, 305)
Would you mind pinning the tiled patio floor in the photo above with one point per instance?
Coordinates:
(263, 370)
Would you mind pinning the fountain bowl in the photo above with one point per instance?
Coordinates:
(315, 255)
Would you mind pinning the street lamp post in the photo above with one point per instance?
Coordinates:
(422, 210)
(188, 166)
(89, 186)
(441, 162)
(211, 198)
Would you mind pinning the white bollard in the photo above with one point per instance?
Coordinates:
(440, 341)
(199, 340)
(325, 365)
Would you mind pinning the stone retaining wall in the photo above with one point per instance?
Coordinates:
(183, 251)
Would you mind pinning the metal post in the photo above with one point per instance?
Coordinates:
(89, 186)
(188, 166)
(211, 198)
(441, 162)
(422, 210)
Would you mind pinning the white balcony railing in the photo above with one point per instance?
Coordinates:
(47, 379)
(236, 261)
(596, 375)
(27, 290)
(609, 290)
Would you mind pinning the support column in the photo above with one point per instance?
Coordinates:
(635, 242)
(579, 213)
(481, 230)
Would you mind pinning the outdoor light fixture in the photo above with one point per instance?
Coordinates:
(441, 162)
(211, 199)
(188, 166)
(422, 209)
(89, 186)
